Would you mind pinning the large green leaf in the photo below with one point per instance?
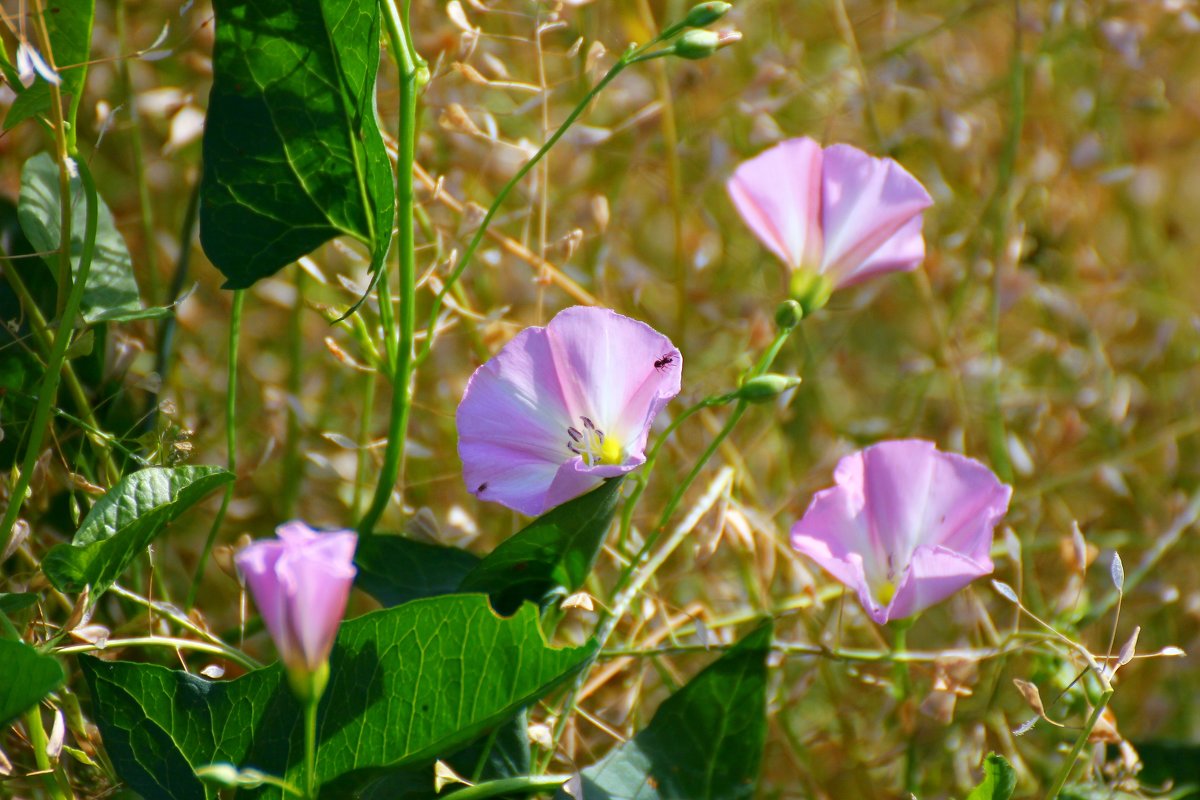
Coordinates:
(123, 523)
(69, 26)
(396, 569)
(705, 741)
(999, 780)
(408, 684)
(555, 551)
(111, 291)
(26, 676)
(293, 156)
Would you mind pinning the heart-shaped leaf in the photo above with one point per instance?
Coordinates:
(555, 551)
(123, 523)
(408, 685)
(26, 676)
(396, 569)
(705, 741)
(293, 156)
(111, 292)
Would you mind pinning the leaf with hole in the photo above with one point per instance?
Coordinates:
(705, 741)
(554, 552)
(124, 521)
(293, 156)
(111, 291)
(407, 685)
(26, 676)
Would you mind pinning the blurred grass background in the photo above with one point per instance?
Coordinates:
(1051, 333)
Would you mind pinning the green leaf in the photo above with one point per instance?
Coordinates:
(408, 684)
(999, 780)
(293, 156)
(26, 676)
(111, 289)
(396, 569)
(705, 741)
(11, 602)
(554, 552)
(69, 26)
(123, 523)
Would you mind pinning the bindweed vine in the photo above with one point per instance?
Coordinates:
(667, 466)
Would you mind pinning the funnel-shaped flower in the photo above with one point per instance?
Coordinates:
(563, 407)
(836, 213)
(906, 526)
(300, 582)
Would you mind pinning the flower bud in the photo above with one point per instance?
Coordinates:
(300, 583)
(697, 44)
(762, 388)
(705, 14)
(788, 315)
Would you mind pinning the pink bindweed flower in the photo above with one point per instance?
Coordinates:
(300, 582)
(563, 407)
(906, 526)
(835, 216)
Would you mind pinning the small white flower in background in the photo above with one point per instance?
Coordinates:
(31, 63)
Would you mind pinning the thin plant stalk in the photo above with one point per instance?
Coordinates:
(38, 742)
(293, 465)
(524, 784)
(310, 747)
(48, 390)
(401, 338)
(235, 336)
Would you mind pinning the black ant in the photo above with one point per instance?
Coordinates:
(482, 488)
(667, 360)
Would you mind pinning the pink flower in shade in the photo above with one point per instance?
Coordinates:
(906, 526)
(563, 407)
(300, 582)
(835, 212)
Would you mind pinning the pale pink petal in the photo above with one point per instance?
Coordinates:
(257, 563)
(317, 575)
(865, 202)
(778, 194)
(588, 384)
(606, 363)
(896, 481)
(934, 574)
(966, 501)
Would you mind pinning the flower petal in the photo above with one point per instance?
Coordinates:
(606, 363)
(257, 563)
(778, 194)
(865, 203)
(934, 574)
(966, 500)
(574, 478)
(317, 575)
(897, 475)
(512, 424)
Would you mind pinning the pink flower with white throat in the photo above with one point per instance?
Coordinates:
(300, 582)
(561, 408)
(836, 216)
(905, 526)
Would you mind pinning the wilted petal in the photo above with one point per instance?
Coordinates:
(778, 194)
(30, 61)
(560, 408)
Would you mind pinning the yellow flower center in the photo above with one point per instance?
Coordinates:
(593, 446)
(885, 591)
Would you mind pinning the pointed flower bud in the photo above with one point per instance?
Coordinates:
(697, 44)
(705, 14)
(788, 315)
(762, 388)
(300, 582)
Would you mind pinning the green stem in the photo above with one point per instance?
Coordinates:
(402, 362)
(525, 784)
(230, 653)
(903, 691)
(1068, 766)
(38, 741)
(235, 336)
(310, 747)
(48, 390)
